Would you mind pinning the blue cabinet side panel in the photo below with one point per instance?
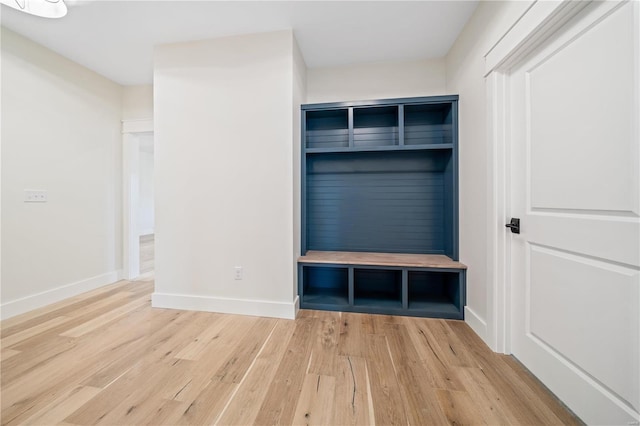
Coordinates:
(449, 215)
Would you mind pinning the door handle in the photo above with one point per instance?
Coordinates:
(514, 225)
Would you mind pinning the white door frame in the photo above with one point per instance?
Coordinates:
(131, 130)
(536, 25)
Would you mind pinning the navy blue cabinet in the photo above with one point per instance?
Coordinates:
(380, 177)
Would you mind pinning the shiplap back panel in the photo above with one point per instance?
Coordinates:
(380, 202)
(427, 124)
(327, 129)
(375, 136)
(375, 126)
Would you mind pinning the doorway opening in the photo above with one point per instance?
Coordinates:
(138, 200)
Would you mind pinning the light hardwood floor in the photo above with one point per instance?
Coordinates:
(107, 357)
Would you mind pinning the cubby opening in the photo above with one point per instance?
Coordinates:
(435, 291)
(428, 124)
(327, 286)
(375, 126)
(327, 129)
(378, 288)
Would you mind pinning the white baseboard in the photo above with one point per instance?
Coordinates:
(38, 300)
(262, 308)
(476, 323)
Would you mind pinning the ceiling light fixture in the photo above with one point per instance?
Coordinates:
(43, 8)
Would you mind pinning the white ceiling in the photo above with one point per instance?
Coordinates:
(116, 38)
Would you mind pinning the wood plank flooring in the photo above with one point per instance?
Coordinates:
(107, 357)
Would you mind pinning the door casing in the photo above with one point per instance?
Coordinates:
(539, 22)
(131, 130)
(528, 34)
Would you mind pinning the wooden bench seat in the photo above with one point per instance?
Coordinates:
(429, 285)
(404, 260)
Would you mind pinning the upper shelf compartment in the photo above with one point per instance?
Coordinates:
(327, 129)
(413, 124)
(375, 126)
(428, 124)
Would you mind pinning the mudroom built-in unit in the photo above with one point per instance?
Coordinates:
(379, 219)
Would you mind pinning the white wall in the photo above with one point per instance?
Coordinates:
(137, 102)
(146, 211)
(465, 76)
(60, 133)
(225, 174)
(376, 81)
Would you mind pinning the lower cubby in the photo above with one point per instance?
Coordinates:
(378, 288)
(325, 286)
(435, 289)
(436, 292)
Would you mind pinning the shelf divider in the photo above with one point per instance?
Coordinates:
(350, 126)
(351, 286)
(400, 125)
(405, 289)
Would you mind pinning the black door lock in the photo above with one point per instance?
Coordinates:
(514, 225)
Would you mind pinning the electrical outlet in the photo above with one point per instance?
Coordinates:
(31, 196)
(238, 272)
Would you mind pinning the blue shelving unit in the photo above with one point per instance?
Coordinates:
(381, 176)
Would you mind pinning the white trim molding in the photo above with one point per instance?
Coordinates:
(533, 28)
(35, 301)
(477, 324)
(131, 129)
(498, 243)
(541, 20)
(262, 308)
(130, 201)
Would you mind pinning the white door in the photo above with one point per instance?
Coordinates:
(575, 186)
